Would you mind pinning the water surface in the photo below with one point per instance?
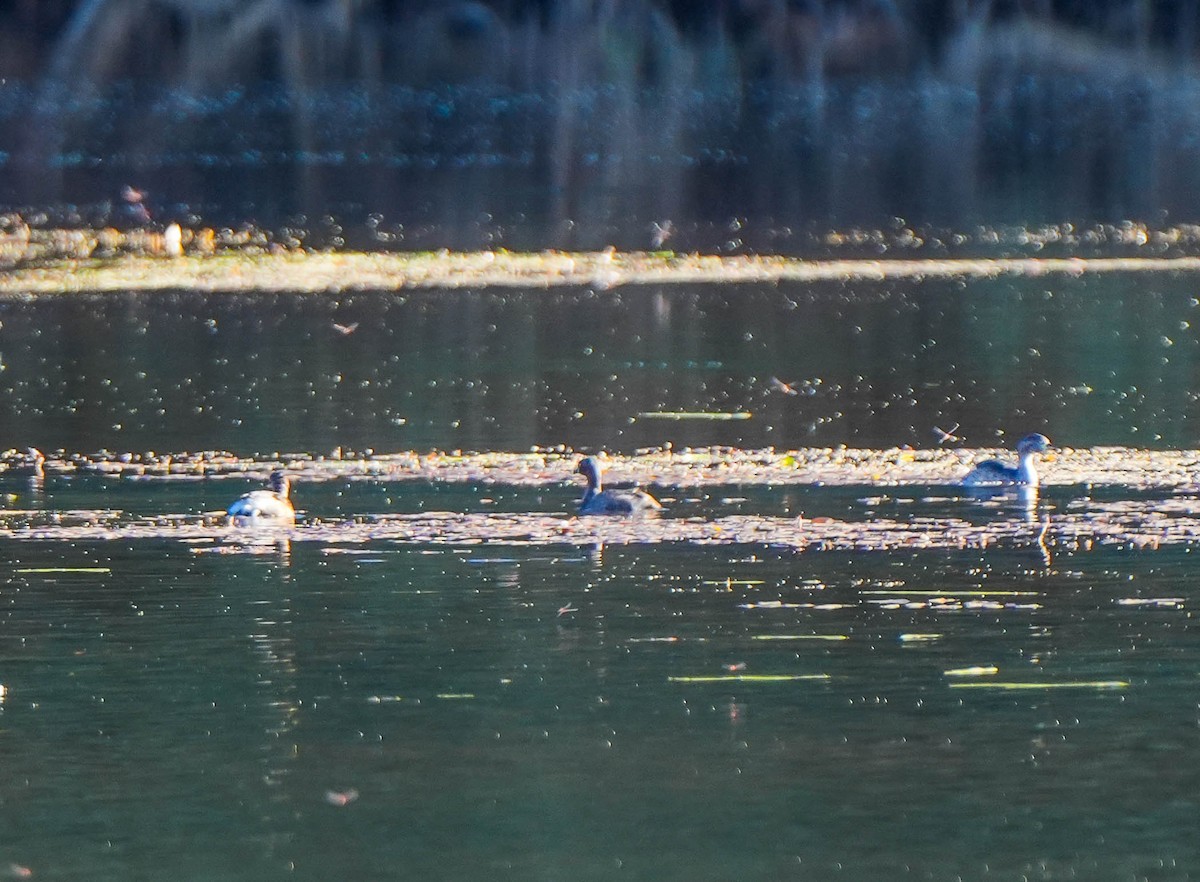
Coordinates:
(345, 707)
(444, 713)
(1104, 359)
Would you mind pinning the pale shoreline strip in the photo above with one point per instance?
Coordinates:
(333, 272)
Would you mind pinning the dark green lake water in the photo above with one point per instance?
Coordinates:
(200, 716)
(372, 711)
(1092, 360)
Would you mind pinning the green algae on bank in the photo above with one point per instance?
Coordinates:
(279, 270)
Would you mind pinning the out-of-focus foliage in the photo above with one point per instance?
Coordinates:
(578, 121)
(206, 42)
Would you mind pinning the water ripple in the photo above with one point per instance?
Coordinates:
(1140, 524)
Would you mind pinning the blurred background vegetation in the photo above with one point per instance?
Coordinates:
(718, 124)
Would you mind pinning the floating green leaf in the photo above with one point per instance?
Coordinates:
(693, 415)
(800, 637)
(748, 678)
(903, 593)
(974, 671)
(63, 570)
(1069, 684)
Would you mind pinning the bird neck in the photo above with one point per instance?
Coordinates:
(1026, 472)
(593, 487)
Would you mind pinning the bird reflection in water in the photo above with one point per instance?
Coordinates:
(31, 466)
(274, 648)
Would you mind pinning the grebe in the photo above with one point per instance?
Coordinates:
(610, 502)
(264, 506)
(993, 471)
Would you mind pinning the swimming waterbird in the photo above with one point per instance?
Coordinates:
(993, 471)
(264, 506)
(597, 500)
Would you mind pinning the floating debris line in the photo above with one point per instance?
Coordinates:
(1134, 526)
(1132, 468)
(1078, 523)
